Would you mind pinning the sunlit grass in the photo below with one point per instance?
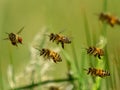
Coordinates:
(1, 79)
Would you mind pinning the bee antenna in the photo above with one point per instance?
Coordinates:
(38, 49)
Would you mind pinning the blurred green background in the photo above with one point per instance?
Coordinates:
(56, 15)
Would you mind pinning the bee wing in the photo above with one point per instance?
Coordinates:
(20, 30)
(102, 42)
(62, 45)
(37, 49)
(61, 31)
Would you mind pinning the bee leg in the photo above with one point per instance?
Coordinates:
(16, 45)
(45, 54)
(112, 25)
(99, 57)
(48, 58)
(62, 45)
(51, 38)
(101, 76)
(92, 73)
(55, 61)
(89, 71)
(95, 54)
(57, 42)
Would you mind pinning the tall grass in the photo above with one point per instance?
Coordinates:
(106, 58)
(1, 77)
(96, 81)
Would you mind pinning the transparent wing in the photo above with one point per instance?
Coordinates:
(102, 42)
(20, 30)
(7, 33)
(63, 30)
(7, 37)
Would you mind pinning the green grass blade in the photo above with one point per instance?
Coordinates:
(87, 31)
(109, 83)
(1, 77)
(76, 64)
(105, 5)
(43, 83)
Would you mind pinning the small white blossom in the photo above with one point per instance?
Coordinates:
(102, 42)
(10, 76)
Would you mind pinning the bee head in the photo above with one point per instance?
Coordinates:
(42, 51)
(20, 40)
(66, 40)
(51, 36)
(60, 59)
(90, 69)
(103, 16)
(89, 49)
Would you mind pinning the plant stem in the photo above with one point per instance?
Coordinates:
(44, 82)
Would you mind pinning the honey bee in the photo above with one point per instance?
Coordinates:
(97, 52)
(110, 19)
(98, 72)
(59, 39)
(49, 54)
(14, 37)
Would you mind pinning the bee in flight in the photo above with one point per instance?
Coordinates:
(14, 37)
(97, 72)
(110, 19)
(49, 54)
(59, 39)
(97, 52)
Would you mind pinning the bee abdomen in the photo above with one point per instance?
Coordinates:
(98, 72)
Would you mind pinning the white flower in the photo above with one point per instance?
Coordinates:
(102, 42)
(10, 76)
